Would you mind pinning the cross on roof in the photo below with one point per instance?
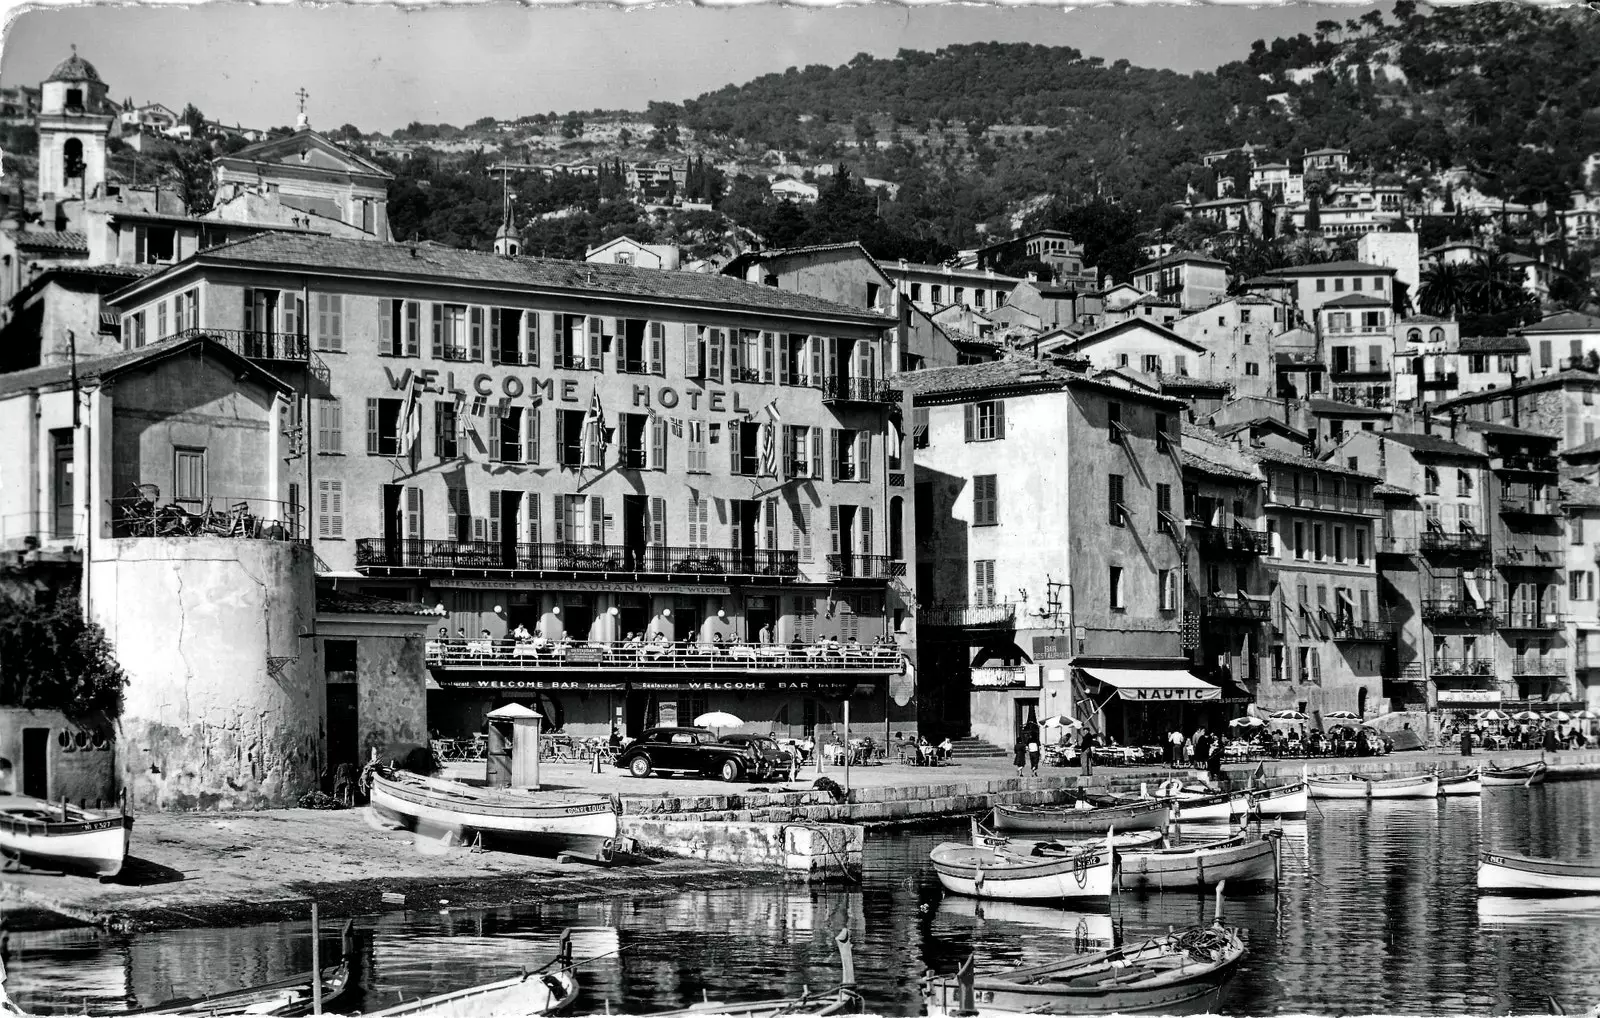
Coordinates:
(304, 95)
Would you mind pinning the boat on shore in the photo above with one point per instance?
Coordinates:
(1499, 872)
(60, 836)
(1460, 784)
(1183, 972)
(983, 871)
(1136, 816)
(585, 824)
(542, 991)
(1243, 858)
(1526, 775)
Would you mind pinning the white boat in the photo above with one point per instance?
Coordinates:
(1122, 842)
(540, 992)
(539, 820)
(1337, 786)
(1461, 784)
(60, 836)
(1134, 816)
(1520, 874)
(1219, 808)
(981, 871)
(1520, 776)
(1280, 802)
(1421, 786)
(1243, 858)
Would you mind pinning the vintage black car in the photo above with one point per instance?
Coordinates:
(692, 751)
(775, 761)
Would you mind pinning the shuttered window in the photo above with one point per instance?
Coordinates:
(330, 321)
(330, 509)
(801, 518)
(985, 505)
(330, 427)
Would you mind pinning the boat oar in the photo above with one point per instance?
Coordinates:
(1218, 917)
(847, 961)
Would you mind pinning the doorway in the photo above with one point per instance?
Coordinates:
(577, 616)
(746, 530)
(392, 523)
(760, 615)
(510, 527)
(687, 617)
(61, 484)
(633, 614)
(344, 726)
(1022, 712)
(36, 762)
(845, 536)
(635, 531)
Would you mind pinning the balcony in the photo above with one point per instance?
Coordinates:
(377, 555)
(1525, 464)
(1447, 382)
(865, 567)
(1239, 608)
(1511, 557)
(858, 390)
(1532, 620)
(1457, 612)
(1327, 502)
(1524, 505)
(256, 345)
(138, 514)
(1234, 540)
(1440, 543)
(1349, 630)
(1461, 668)
(969, 616)
(1548, 666)
(610, 659)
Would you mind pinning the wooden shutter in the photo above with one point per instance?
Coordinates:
(999, 418)
(969, 421)
(530, 417)
(783, 358)
(530, 337)
(658, 443)
(831, 360)
(593, 360)
(494, 337)
(815, 467)
(693, 339)
(413, 326)
(475, 334)
(769, 356)
(714, 341)
(530, 510)
(658, 348)
(372, 426)
(735, 353)
(802, 531)
(833, 529)
(817, 350)
(736, 511)
(772, 524)
(864, 456)
(436, 314)
(324, 322)
(335, 503)
(734, 436)
(834, 454)
(597, 520)
(414, 513)
(324, 520)
(386, 326)
(658, 522)
(496, 414)
(619, 343)
(864, 517)
(863, 360)
(558, 518)
(494, 517)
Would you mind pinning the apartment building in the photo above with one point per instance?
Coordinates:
(586, 452)
(1581, 499)
(1190, 279)
(1563, 406)
(1357, 332)
(1316, 285)
(1055, 248)
(935, 287)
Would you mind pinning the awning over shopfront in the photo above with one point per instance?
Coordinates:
(1148, 685)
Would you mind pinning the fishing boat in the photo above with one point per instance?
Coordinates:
(1420, 786)
(983, 871)
(1178, 973)
(63, 837)
(542, 991)
(1136, 816)
(1280, 802)
(1243, 858)
(585, 824)
(1195, 804)
(1337, 786)
(1121, 841)
(1520, 874)
(290, 996)
(1460, 784)
(1525, 775)
(841, 1000)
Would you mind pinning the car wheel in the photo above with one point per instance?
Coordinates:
(730, 770)
(640, 767)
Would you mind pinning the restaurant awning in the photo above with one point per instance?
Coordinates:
(1154, 685)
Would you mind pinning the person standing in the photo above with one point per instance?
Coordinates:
(1202, 748)
(1020, 750)
(1175, 749)
(1549, 745)
(1030, 735)
(1214, 762)
(1466, 741)
(1086, 752)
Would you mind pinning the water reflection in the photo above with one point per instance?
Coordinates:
(1376, 912)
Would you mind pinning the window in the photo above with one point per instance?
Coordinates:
(383, 426)
(1338, 286)
(1299, 540)
(873, 294)
(446, 431)
(744, 448)
(1546, 354)
(800, 515)
(916, 292)
(161, 320)
(133, 331)
(1252, 369)
(986, 421)
(1115, 504)
(851, 452)
(982, 583)
(569, 438)
(1580, 585)
(938, 294)
(577, 337)
(1338, 544)
(1114, 589)
(330, 509)
(1430, 480)
(1274, 546)
(330, 321)
(1152, 364)
(330, 427)
(802, 451)
(1322, 285)
(1275, 653)
(697, 448)
(1114, 423)
(959, 295)
(1180, 365)
(505, 433)
(189, 475)
(1169, 590)
(985, 510)
(1316, 541)
(1575, 528)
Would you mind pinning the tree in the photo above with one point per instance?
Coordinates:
(51, 658)
(1403, 11)
(1327, 28)
(349, 132)
(1492, 285)
(571, 125)
(195, 119)
(1443, 292)
(1313, 214)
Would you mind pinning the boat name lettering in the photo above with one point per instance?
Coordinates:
(429, 380)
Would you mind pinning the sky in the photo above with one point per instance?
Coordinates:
(381, 67)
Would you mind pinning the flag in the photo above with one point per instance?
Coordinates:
(769, 449)
(596, 420)
(650, 412)
(771, 410)
(480, 406)
(411, 422)
(677, 427)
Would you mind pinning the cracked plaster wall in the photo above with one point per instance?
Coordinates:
(225, 703)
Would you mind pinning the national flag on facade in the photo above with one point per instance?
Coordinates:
(597, 420)
(677, 426)
(769, 449)
(771, 410)
(411, 422)
(480, 406)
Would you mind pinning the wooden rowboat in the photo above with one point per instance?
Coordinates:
(60, 836)
(535, 993)
(842, 1000)
(535, 820)
(1281, 802)
(1460, 784)
(1520, 874)
(1138, 816)
(1524, 775)
(1422, 786)
(1195, 805)
(1337, 786)
(1122, 842)
(1243, 858)
(980, 871)
(290, 996)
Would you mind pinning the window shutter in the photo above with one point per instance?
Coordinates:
(772, 524)
(802, 531)
(475, 334)
(815, 343)
(658, 348)
(494, 517)
(324, 519)
(735, 354)
(593, 362)
(783, 358)
(658, 443)
(864, 456)
(734, 442)
(479, 529)
(597, 520)
(693, 337)
(735, 539)
(436, 314)
(372, 426)
(335, 426)
(619, 346)
(864, 360)
(714, 354)
(999, 418)
(530, 502)
(834, 450)
(531, 437)
(864, 515)
(769, 356)
(413, 325)
(438, 428)
(558, 518)
(414, 513)
(493, 436)
(335, 509)
(969, 419)
(658, 522)
(815, 466)
(531, 321)
(494, 337)
(322, 319)
(386, 326)
(831, 361)
(833, 529)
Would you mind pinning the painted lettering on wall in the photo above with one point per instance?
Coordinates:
(541, 390)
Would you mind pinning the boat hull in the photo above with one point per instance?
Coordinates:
(1515, 874)
(520, 995)
(1285, 802)
(1405, 788)
(587, 825)
(983, 872)
(1145, 817)
(1513, 777)
(285, 997)
(95, 846)
(1210, 809)
(1336, 788)
(1464, 784)
(1237, 861)
(842, 1001)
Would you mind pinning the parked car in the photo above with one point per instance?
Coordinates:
(773, 761)
(689, 751)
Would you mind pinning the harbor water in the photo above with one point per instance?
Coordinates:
(1377, 913)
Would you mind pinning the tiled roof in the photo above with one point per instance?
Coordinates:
(1433, 445)
(1581, 493)
(1266, 281)
(1327, 268)
(1263, 422)
(1010, 373)
(59, 376)
(1271, 455)
(1334, 408)
(1202, 465)
(1178, 257)
(1550, 381)
(289, 252)
(1586, 449)
(1423, 320)
(348, 602)
(1491, 428)
(1566, 321)
(1492, 344)
(1386, 490)
(65, 241)
(1357, 300)
(101, 278)
(1192, 384)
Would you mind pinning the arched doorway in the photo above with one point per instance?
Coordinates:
(1361, 702)
(71, 161)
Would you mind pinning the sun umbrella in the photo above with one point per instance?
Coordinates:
(1247, 723)
(1342, 715)
(1288, 715)
(1525, 715)
(1060, 721)
(1585, 715)
(1559, 715)
(718, 719)
(1494, 715)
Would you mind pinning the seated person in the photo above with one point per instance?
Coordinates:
(945, 750)
(521, 634)
(852, 646)
(659, 645)
(540, 643)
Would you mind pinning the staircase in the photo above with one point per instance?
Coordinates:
(970, 748)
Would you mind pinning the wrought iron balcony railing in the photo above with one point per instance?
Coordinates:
(256, 344)
(1525, 463)
(865, 566)
(1457, 611)
(969, 616)
(1351, 630)
(1450, 667)
(1548, 665)
(416, 554)
(858, 390)
(1440, 542)
(1325, 501)
(1532, 620)
(647, 656)
(1238, 607)
(1234, 539)
(1524, 505)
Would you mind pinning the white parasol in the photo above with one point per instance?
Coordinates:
(718, 719)
(1288, 715)
(1247, 722)
(1060, 721)
(1342, 715)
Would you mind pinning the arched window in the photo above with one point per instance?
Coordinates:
(1414, 336)
(1436, 335)
(71, 160)
(897, 528)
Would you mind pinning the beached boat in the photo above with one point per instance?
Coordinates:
(1135, 816)
(1243, 858)
(60, 836)
(1522, 775)
(982, 871)
(1280, 802)
(586, 824)
(1179, 973)
(1420, 786)
(1520, 874)
(1460, 784)
(542, 991)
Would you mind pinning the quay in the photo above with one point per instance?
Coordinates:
(215, 869)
